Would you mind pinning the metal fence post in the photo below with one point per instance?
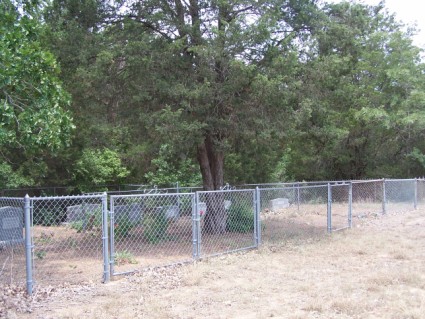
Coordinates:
(384, 197)
(329, 211)
(105, 228)
(257, 218)
(415, 199)
(194, 227)
(112, 236)
(198, 232)
(28, 243)
(298, 197)
(350, 205)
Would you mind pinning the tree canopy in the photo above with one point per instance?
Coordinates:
(34, 118)
(237, 91)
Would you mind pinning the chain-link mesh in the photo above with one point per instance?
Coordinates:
(227, 221)
(293, 212)
(367, 200)
(67, 239)
(399, 195)
(420, 194)
(12, 241)
(150, 230)
(340, 208)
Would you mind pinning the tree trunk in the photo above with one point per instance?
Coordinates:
(211, 163)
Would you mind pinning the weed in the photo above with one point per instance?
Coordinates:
(40, 254)
(124, 257)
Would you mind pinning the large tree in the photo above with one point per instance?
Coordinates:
(362, 88)
(34, 120)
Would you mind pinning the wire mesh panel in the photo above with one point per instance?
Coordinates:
(340, 208)
(420, 193)
(12, 241)
(293, 212)
(367, 200)
(227, 221)
(67, 239)
(399, 195)
(150, 230)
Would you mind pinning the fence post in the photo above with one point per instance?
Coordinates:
(257, 218)
(106, 270)
(329, 212)
(195, 209)
(384, 197)
(28, 243)
(298, 197)
(112, 236)
(197, 227)
(350, 205)
(415, 199)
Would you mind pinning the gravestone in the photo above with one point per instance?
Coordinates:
(278, 203)
(202, 207)
(81, 212)
(11, 225)
(133, 212)
(172, 212)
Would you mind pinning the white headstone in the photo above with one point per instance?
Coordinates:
(278, 203)
(11, 224)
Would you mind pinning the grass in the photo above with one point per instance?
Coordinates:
(373, 271)
(124, 257)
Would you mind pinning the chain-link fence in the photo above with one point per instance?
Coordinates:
(150, 230)
(367, 199)
(74, 239)
(400, 195)
(293, 212)
(12, 241)
(226, 221)
(67, 236)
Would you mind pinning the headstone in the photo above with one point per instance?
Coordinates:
(278, 203)
(172, 212)
(202, 207)
(133, 211)
(81, 212)
(11, 225)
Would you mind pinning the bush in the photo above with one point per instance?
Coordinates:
(155, 227)
(240, 219)
(122, 227)
(47, 217)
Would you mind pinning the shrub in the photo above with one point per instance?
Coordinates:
(155, 227)
(240, 219)
(122, 227)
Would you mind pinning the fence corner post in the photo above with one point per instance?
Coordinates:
(257, 218)
(106, 270)
(28, 243)
(329, 211)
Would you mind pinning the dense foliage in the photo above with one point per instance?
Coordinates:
(207, 91)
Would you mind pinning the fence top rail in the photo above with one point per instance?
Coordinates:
(367, 181)
(68, 197)
(297, 187)
(228, 191)
(151, 195)
(12, 198)
(400, 180)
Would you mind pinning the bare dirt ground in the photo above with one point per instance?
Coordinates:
(375, 270)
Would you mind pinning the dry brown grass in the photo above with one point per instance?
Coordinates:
(376, 270)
